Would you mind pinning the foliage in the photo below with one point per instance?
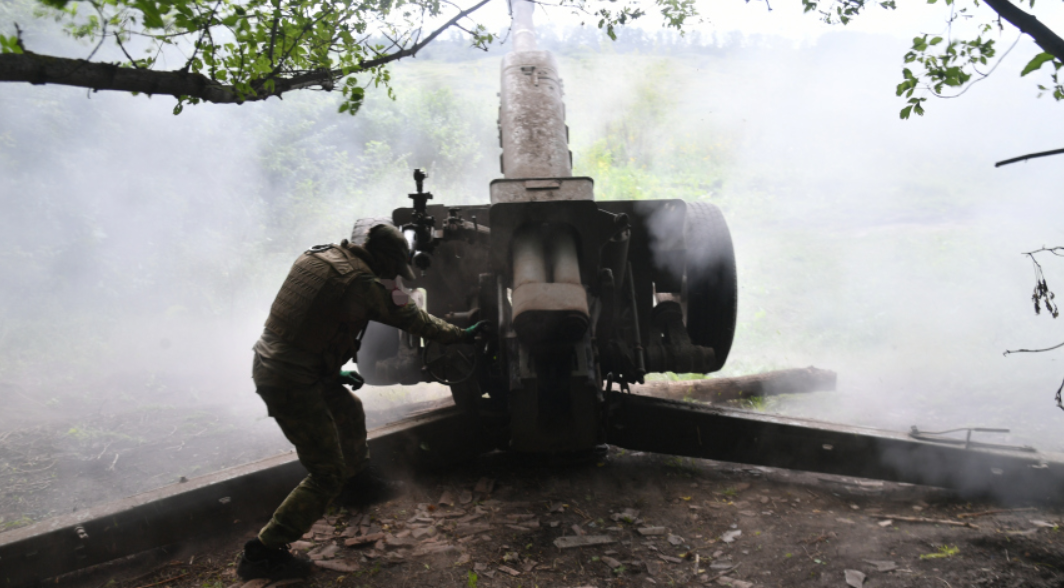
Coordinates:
(643, 149)
(948, 64)
(247, 50)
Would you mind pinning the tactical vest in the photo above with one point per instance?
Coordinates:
(308, 311)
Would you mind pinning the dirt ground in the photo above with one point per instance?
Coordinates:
(647, 520)
(66, 446)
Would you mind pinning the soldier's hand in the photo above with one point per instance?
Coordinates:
(352, 379)
(470, 334)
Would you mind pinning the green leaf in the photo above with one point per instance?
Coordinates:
(153, 18)
(9, 45)
(1036, 63)
(935, 41)
(905, 112)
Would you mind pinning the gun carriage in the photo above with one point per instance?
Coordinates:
(580, 295)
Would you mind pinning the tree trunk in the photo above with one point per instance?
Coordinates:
(792, 381)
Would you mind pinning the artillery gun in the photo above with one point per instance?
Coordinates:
(582, 297)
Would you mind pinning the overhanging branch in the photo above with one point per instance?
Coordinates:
(39, 69)
(1049, 41)
(1030, 156)
(45, 69)
(413, 49)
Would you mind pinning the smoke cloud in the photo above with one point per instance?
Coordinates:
(140, 251)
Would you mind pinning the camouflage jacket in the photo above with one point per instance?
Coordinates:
(324, 306)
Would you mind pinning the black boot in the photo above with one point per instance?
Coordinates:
(367, 488)
(259, 561)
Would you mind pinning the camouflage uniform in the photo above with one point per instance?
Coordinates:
(313, 329)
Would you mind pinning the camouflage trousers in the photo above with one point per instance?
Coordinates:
(327, 425)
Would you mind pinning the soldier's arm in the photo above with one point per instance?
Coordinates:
(376, 300)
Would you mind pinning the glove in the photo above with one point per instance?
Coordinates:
(470, 334)
(352, 379)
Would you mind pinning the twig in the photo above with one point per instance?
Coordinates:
(926, 520)
(722, 574)
(1058, 251)
(206, 29)
(1058, 346)
(133, 62)
(983, 75)
(104, 450)
(112, 468)
(969, 515)
(1029, 156)
(18, 38)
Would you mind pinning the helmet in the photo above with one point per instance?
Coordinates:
(385, 242)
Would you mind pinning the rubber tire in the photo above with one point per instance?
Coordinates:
(712, 294)
(380, 341)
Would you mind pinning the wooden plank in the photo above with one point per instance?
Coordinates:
(211, 504)
(670, 427)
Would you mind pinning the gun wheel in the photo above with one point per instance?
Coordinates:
(711, 289)
(450, 365)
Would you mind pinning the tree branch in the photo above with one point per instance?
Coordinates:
(44, 69)
(1029, 156)
(412, 50)
(1033, 350)
(1049, 41)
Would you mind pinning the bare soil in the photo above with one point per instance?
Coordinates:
(66, 446)
(663, 520)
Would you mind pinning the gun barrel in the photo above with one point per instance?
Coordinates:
(522, 30)
(534, 138)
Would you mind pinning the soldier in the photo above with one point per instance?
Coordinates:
(314, 328)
